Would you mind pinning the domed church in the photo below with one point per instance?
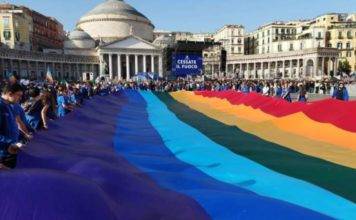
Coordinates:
(122, 38)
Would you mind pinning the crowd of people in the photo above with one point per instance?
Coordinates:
(26, 108)
(273, 88)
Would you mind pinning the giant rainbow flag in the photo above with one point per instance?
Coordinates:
(189, 155)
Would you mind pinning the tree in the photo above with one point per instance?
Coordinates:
(344, 67)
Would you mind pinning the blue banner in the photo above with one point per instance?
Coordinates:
(186, 64)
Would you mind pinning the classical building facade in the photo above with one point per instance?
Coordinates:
(121, 37)
(34, 65)
(309, 63)
(123, 59)
(15, 28)
(327, 31)
(231, 37)
(46, 32)
(213, 59)
(341, 34)
(26, 29)
(113, 40)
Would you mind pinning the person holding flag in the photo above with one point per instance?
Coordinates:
(49, 77)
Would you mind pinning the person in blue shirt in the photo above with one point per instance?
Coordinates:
(22, 122)
(279, 90)
(341, 93)
(63, 105)
(9, 131)
(286, 90)
(37, 108)
(245, 88)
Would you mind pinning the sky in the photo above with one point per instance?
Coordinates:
(198, 16)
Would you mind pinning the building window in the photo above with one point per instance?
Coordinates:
(277, 31)
(349, 35)
(279, 47)
(340, 35)
(319, 35)
(329, 45)
(6, 22)
(239, 41)
(239, 49)
(301, 46)
(232, 50)
(7, 35)
(348, 54)
(291, 47)
(348, 45)
(339, 45)
(282, 30)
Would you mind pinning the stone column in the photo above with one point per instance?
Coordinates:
(255, 72)
(298, 68)
(144, 64)
(28, 69)
(2, 68)
(11, 69)
(136, 63)
(269, 69)
(102, 67)
(78, 73)
(37, 71)
(128, 67)
(290, 69)
(70, 70)
(152, 63)
(284, 69)
(160, 66)
(247, 70)
(119, 67)
(316, 67)
(111, 75)
(305, 67)
(240, 70)
(322, 66)
(335, 66)
(62, 70)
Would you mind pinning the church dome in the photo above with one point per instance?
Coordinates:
(79, 39)
(115, 19)
(79, 35)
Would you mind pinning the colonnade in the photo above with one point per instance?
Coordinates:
(124, 66)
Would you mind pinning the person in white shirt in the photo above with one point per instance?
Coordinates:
(266, 90)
